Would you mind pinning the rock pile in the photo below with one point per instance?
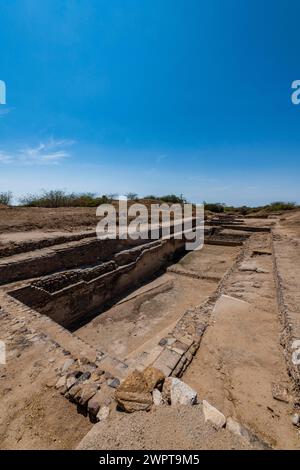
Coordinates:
(89, 387)
(141, 390)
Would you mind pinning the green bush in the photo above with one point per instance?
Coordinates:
(58, 198)
(214, 207)
(173, 199)
(281, 206)
(151, 197)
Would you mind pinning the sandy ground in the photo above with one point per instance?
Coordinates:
(152, 311)
(240, 356)
(33, 415)
(162, 428)
(22, 219)
(127, 326)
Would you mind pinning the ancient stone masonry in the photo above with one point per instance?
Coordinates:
(290, 336)
(69, 296)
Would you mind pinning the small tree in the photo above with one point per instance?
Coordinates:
(5, 198)
(132, 196)
(173, 199)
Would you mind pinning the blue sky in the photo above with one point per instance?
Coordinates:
(151, 96)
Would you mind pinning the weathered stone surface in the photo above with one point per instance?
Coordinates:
(167, 361)
(214, 416)
(134, 382)
(61, 382)
(153, 377)
(296, 419)
(179, 347)
(157, 397)
(296, 357)
(70, 381)
(163, 342)
(72, 392)
(113, 383)
(296, 344)
(103, 413)
(85, 376)
(233, 426)
(107, 375)
(83, 360)
(97, 375)
(67, 364)
(134, 401)
(177, 392)
(86, 392)
(94, 404)
(133, 394)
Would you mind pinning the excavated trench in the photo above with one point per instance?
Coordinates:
(71, 297)
(121, 296)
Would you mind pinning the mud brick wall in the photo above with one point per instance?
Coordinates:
(67, 256)
(75, 302)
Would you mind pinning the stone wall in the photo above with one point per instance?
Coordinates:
(67, 256)
(72, 297)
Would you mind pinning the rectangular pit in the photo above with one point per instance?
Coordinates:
(70, 297)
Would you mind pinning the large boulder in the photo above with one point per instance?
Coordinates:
(177, 392)
(154, 378)
(214, 416)
(85, 393)
(134, 394)
(134, 401)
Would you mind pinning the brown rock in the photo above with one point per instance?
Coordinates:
(70, 382)
(133, 394)
(153, 377)
(97, 375)
(94, 404)
(134, 382)
(86, 392)
(61, 382)
(72, 392)
(134, 401)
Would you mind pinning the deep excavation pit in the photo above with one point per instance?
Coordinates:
(72, 297)
(132, 294)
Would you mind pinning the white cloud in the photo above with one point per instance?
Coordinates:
(45, 153)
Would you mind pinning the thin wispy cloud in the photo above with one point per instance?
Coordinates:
(45, 153)
(4, 111)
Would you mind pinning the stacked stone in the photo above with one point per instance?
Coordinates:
(142, 390)
(89, 387)
(57, 281)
